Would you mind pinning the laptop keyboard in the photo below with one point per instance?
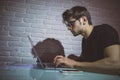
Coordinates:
(49, 65)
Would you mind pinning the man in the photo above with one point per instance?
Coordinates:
(100, 44)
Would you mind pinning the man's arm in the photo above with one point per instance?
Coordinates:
(110, 64)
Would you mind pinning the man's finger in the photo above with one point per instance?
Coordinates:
(58, 62)
(57, 57)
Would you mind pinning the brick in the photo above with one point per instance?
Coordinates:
(51, 22)
(37, 35)
(40, 12)
(77, 38)
(20, 1)
(19, 44)
(14, 9)
(7, 38)
(3, 43)
(38, 7)
(57, 9)
(11, 19)
(3, 3)
(3, 23)
(35, 30)
(34, 39)
(59, 37)
(27, 60)
(60, 28)
(19, 24)
(78, 47)
(4, 53)
(17, 4)
(57, 32)
(7, 13)
(2, 8)
(45, 17)
(67, 46)
(9, 59)
(20, 54)
(65, 1)
(21, 15)
(77, 2)
(1, 27)
(4, 33)
(6, 48)
(41, 26)
(37, 2)
(10, 28)
(18, 34)
(68, 6)
(26, 49)
(26, 20)
(53, 3)
(55, 13)
(67, 42)
(68, 51)
(24, 39)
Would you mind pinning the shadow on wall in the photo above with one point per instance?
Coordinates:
(48, 49)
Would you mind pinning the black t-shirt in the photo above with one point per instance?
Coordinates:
(101, 37)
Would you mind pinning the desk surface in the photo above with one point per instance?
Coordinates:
(27, 72)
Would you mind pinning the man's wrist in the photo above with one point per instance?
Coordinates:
(75, 64)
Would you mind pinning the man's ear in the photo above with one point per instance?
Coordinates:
(83, 20)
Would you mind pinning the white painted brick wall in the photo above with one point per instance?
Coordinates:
(42, 19)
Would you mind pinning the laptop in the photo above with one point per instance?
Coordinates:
(49, 66)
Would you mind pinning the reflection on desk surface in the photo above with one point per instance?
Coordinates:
(28, 72)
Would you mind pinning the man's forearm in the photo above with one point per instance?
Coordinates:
(102, 66)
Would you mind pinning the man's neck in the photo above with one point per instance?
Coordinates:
(87, 31)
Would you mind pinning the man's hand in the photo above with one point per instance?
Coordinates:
(64, 60)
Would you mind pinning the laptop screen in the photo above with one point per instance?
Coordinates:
(40, 62)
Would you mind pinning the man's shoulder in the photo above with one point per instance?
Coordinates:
(105, 28)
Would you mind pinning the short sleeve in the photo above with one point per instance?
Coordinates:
(110, 36)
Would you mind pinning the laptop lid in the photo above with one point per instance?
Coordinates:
(40, 62)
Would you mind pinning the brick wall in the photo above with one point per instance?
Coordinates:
(42, 19)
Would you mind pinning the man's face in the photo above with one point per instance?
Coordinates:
(74, 26)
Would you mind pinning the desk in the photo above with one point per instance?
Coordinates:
(27, 72)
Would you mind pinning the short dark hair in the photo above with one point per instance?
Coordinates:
(48, 49)
(76, 12)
